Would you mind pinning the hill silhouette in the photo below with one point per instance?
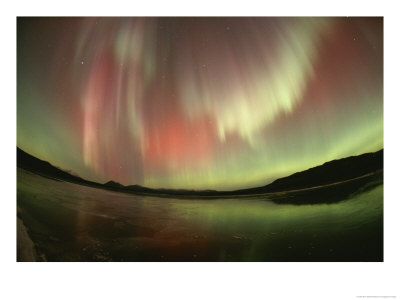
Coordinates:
(113, 184)
(41, 167)
(329, 173)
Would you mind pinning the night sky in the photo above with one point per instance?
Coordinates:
(198, 103)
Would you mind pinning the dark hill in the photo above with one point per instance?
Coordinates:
(330, 172)
(114, 184)
(41, 167)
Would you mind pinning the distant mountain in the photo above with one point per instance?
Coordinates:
(114, 184)
(41, 167)
(139, 188)
(328, 173)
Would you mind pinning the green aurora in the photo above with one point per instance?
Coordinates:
(198, 103)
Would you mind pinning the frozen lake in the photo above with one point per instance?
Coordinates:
(70, 222)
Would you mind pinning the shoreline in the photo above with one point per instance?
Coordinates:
(26, 251)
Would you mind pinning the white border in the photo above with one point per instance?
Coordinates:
(200, 280)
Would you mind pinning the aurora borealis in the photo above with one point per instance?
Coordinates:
(202, 103)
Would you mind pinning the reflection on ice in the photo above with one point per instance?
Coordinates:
(69, 222)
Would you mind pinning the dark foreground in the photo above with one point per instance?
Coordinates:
(62, 221)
